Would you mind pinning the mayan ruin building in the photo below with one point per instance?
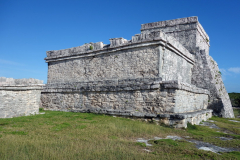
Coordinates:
(165, 72)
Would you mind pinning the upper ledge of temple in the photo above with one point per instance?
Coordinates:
(144, 38)
(168, 23)
(175, 24)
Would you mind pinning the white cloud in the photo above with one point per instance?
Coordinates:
(234, 69)
(2, 61)
(223, 71)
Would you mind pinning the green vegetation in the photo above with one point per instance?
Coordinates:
(141, 144)
(206, 134)
(91, 47)
(235, 99)
(67, 135)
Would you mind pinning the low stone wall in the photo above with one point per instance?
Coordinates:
(19, 97)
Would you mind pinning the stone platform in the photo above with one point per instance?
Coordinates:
(171, 102)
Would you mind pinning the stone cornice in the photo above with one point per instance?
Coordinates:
(5, 82)
(174, 23)
(22, 87)
(139, 40)
(161, 24)
(168, 23)
(122, 85)
(183, 86)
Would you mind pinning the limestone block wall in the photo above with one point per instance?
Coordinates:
(135, 95)
(175, 67)
(190, 33)
(136, 62)
(19, 97)
(189, 102)
(147, 55)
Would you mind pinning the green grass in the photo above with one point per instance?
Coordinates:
(67, 135)
(141, 144)
(206, 134)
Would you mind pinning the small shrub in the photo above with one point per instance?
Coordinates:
(91, 47)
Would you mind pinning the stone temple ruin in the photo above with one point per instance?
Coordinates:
(164, 73)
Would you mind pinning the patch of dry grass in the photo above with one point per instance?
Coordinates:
(66, 135)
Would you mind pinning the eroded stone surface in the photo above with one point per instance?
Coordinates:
(234, 121)
(225, 138)
(144, 141)
(19, 97)
(125, 97)
(210, 125)
(199, 144)
(210, 147)
(205, 74)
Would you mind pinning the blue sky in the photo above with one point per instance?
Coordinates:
(29, 28)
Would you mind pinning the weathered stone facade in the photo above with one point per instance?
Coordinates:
(19, 97)
(136, 95)
(205, 74)
(153, 75)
